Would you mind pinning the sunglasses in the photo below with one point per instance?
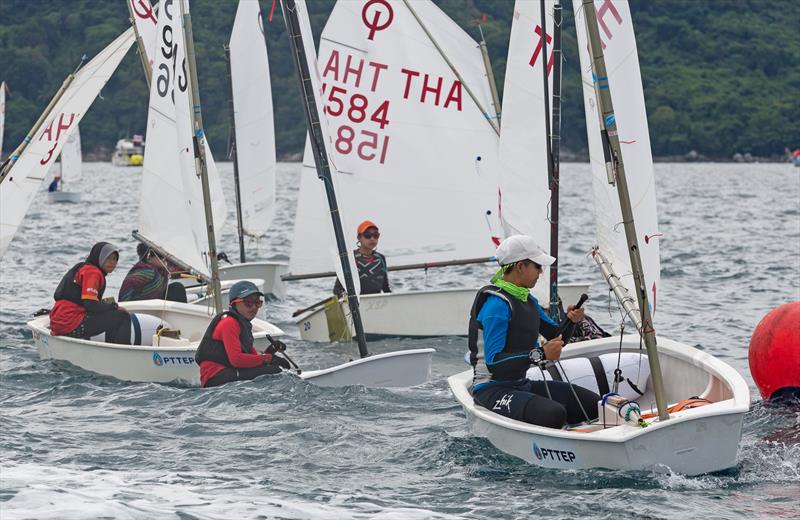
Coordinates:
(371, 234)
(251, 302)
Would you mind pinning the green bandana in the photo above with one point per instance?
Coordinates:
(520, 293)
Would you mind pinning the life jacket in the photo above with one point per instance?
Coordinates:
(214, 350)
(523, 333)
(69, 289)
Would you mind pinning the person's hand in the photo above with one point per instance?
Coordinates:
(552, 349)
(276, 346)
(575, 315)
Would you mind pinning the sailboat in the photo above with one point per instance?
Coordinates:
(70, 169)
(22, 173)
(253, 143)
(170, 185)
(390, 369)
(415, 151)
(265, 274)
(659, 432)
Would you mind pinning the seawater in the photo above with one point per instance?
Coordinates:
(78, 445)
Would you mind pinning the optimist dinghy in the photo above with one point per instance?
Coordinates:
(391, 369)
(691, 442)
(257, 206)
(171, 170)
(660, 430)
(158, 355)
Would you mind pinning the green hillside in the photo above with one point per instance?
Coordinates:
(720, 76)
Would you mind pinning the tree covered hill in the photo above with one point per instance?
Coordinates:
(720, 76)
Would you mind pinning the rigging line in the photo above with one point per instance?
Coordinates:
(574, 393)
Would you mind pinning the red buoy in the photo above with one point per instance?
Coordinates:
(775, 351)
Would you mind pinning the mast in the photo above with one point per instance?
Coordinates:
(554, 155)
(321, 159)
(200, 153)
(148, 71)
(615, 168)
(234, 152)
(487, 64)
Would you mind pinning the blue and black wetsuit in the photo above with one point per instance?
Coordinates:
(505, 329)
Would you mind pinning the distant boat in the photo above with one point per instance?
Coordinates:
(795, 154)
(129, 152)
(70, 170)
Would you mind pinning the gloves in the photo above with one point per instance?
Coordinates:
(276, 346)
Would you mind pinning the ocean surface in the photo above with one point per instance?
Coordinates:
(77, 445)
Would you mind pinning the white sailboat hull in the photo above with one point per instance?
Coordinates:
(443, 312)
(691, 442)
(64, 196)
(393, 369)
(169, 361)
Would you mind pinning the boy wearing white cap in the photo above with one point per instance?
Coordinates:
(505, 324)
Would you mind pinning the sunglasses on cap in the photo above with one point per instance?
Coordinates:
(250, 301)
(371, 234)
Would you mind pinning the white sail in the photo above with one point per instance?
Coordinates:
(72, 158)
(255, 130)
(171, 212)
(145, 21)
(622, 62)
(524, 189)
(411, 149)
(19, 187)
(2, 114)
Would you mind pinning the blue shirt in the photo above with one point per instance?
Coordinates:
(494, 316)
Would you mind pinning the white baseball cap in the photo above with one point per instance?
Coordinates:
(521, 247)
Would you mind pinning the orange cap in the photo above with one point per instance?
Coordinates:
(365, 226)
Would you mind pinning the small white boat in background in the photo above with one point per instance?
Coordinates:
(70, 168)
(157, 358)
(129, 152)
(415, 314)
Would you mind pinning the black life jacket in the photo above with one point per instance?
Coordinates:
(522, 336)
(69, 289)
(214, 349)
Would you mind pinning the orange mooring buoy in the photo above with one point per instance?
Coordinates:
(775, 352)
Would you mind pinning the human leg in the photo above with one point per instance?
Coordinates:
(116, 324)
(228, 375)
(560, 392)
(176, 292)
(520, 404)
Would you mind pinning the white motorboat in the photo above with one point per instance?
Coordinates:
(693, 441)
(129, 152)
(442, 312)
(158, 359)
